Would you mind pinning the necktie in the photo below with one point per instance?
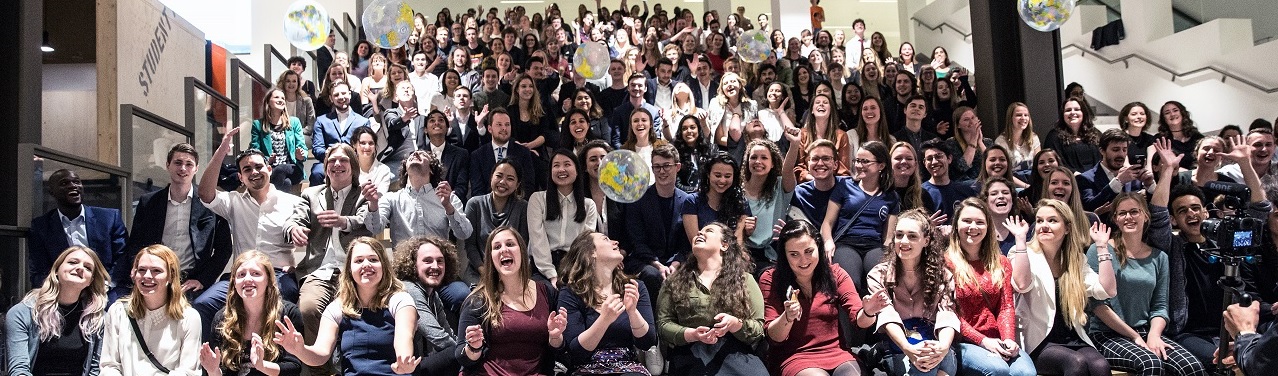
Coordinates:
(501, 153)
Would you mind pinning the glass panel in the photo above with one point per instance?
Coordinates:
(151, 144)
(278, 66)
(101, 189)
(211, 121)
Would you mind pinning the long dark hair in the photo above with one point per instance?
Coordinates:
(731, 205)
(1036, 180)
(1187, 127)
(935, 279)
(553, 211)
(774, 174)
(727, 293)
(880, 151)
(783, 276)
(1087, 132)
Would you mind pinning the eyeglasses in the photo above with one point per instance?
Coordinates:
(664, 167)
(863, 161)
(1129, 213)
(821, 159)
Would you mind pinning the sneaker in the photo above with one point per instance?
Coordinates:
(653, 361)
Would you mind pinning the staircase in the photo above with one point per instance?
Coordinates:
(1215, 68)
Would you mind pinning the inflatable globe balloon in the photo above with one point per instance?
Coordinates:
(1045, 15)
(753, 46)
(624, 176)
(388, 23)
(591, 60)
(306, 25)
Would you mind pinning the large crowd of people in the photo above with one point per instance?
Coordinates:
(834, 209)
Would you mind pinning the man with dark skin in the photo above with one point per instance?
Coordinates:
(73, 223)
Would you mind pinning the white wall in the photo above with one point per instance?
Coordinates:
(68, 115)
(157, 50)
(268, 26)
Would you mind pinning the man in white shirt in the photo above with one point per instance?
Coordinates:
(661, 88)
(856, 44)
(257, 216)
(463, 124)
(329, 217)
(72, 223)
(424, 82)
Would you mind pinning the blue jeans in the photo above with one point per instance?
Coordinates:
(977, 361)
(214, 298)
(453, 294)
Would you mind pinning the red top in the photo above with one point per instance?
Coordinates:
(519, 346)
(814, 338)
(984, 309)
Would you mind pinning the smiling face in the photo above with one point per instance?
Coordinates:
(436, 126)
(1172, 115)
(578, 127)
(151, 276)
(563, 171)
(690, 131)
(607, 251)
(916, 110)
(709, 240)
(337, 166)
(366, 265)
(721, 177)
(1073, 113)
(971, 226)
(1060, 186)
(1045, 163)
(504, 180)
(1188, 214)
(1262, 146)
(996, 162)
(1130, 216)
(936, 162)
(802, 255)
(865, 165)
(250, 280)
(640, 125)
(870, 112)
(1136, 118)
(76, 270)
(430, 265)
(500, 127)
(1208, 153)
(506, 253)
(594, 158)
(909, 241)
(904, 163)
(760, 160)
(1050, 226)
(998, 197)
(182, 167)
(277, 100)
(366, 145)
(254, 172)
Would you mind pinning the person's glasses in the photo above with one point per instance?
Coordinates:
(1129, 213)
(663, 167)
(863, 161)
(821, 159)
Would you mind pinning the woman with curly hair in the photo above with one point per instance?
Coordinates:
(712, 297)
(154, 322)
(911, 300)
(695, 149)
(241, 344)
(425, 265)
(803, 299)
(767, 187)
(1053, 283)
(1175, 124)
(983, 294)
(372, 315)
(861, 212)
(1075, 137)
(509, 324)
(609, 314)
(57, 328)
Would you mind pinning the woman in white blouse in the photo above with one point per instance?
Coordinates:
(553, 224)
(155, 318)
(370, 169)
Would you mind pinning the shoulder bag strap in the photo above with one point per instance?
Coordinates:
(146, 350)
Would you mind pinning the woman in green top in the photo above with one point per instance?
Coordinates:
(279, 137)
(712, 298)
(1128, 328)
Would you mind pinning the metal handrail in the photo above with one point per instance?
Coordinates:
(270, 51)
(965, 35)
(336, 26)
(1124, 59)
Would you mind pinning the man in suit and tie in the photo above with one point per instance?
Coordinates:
(73, 223)
(463, 124)
(484, 159)
(200, 238)
(327, 219)
(454, 159)
(335, 127)
(660, 90)
(1100, 184)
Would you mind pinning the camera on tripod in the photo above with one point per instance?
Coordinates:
(1236, 233)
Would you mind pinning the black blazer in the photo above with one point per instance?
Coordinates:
(695, 86)
(105, 234)
(483, 160)
(456, 163)
(210, 235)
(652, 84)
(470, 142)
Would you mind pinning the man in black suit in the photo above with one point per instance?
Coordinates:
(484, 159)
(73, 223)
(324, 55)
(453, 157)
(705, 85)
(201, 239)
(463, 124)
(661, 88)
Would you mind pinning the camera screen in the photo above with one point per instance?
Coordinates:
(1242, 239)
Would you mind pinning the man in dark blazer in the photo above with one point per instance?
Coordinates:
(463, 123)
(454, 159)
(484, 159)
(202, 239)
(333, 128)
(324, 56)
(704, 77)
(73, 223)
(1111, 176)
(660, 89)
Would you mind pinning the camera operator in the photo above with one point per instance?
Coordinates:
(1195, 272)
(1253, 351)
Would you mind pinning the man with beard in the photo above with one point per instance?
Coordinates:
(657, 239)
(201, 239)
(914, 132)
(1100, 184)
(484, 159)
(1193, 293)
(903, 88)
(335, 127)
(257, 217)
(425, 264)
(329, 217)
(73, 223)
(944, 192)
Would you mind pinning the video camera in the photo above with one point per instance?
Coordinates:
(1235, 233)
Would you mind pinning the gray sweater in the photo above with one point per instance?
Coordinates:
(22, 342)
(480, 212)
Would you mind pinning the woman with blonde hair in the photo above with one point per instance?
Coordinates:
(683, 104)
(823, 123)
(609, 314)
(509, 324)
(729, 111)
(243, 331)
(983, 295)
(905, 177)
(371, 86)
(1018, 137)
(57, 328)
(299, 103)
(154, 330)
(373, 316)
(1054, 283)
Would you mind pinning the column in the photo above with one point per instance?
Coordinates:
(1014, 63)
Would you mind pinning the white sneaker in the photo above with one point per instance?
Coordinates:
(653, 361)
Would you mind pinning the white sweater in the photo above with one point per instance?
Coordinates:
(175, 343)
